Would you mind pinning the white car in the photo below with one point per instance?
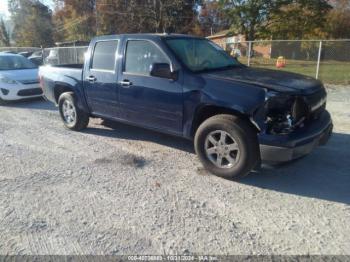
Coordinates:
(18, 78)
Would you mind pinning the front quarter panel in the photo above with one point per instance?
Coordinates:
(202, 91)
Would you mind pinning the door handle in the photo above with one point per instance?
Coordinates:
(125, 83)
(91, 79)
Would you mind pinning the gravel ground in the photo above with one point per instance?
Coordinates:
(125, 190)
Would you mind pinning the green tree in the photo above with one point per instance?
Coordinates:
(176, 15)
(110, 16)
(212, 18)
(277, 19)
(74, 20)
(32, 23)
(120, 16)
(249, 17)
(338, 20)
(4, 34)
(133, 16)
(299, 19)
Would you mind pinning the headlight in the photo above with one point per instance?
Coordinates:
(6, 80)
(284, 112)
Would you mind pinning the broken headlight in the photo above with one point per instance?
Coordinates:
(284, 112)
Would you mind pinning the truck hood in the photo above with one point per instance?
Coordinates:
(21, 75)
(279, 81)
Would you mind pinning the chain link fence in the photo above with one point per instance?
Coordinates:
(64, 55)
(326, 60)
(50, 56)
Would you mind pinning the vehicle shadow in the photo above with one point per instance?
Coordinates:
(324, 174)
(32, 103)
(128, 132)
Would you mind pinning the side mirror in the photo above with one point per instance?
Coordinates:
(163, 70)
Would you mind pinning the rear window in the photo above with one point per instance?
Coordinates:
(104, 55)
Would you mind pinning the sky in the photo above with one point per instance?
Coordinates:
(4, 6)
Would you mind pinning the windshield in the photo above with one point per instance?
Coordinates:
(15, 63)
(201, 54)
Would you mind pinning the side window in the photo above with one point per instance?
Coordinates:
(140, 55)
(104, 55)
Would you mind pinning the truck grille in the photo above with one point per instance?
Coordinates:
(30, 92)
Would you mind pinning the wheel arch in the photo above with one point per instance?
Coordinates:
(61, 88)
(206, 111)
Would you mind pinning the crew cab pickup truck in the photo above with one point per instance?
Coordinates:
(187, 86)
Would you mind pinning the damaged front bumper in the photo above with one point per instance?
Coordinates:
(283, 148)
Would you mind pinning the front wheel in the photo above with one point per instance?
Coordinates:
(227, 146)
(2, 102)
(73, 118)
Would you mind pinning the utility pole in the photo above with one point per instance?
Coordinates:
(96, 17)
(319, 60)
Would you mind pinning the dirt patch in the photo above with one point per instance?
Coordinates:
(123, 159)
(134, 161)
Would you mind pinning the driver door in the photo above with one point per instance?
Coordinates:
(146, 100)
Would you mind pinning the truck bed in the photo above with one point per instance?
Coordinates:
(76, 66)
(51, 76)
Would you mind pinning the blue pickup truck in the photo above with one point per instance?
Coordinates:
(188, 86)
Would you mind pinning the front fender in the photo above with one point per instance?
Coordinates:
(242, 98)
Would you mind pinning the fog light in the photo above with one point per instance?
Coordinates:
(5, 91)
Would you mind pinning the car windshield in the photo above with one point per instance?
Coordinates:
(15, 63)
(200, 54)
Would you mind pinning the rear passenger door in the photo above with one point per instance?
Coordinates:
(146, 100)
(100, 81)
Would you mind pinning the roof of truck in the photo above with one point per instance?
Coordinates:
(146, 36)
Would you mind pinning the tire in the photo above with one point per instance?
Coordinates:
(72, 117)
(239, 137)
(2, 102)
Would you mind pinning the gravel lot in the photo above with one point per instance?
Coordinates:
(125, 190)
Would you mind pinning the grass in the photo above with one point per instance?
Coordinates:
(330, 72)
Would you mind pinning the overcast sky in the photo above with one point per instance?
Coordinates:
(4, 6)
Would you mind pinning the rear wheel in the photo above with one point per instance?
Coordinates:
(73, 118)
(227, 146)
